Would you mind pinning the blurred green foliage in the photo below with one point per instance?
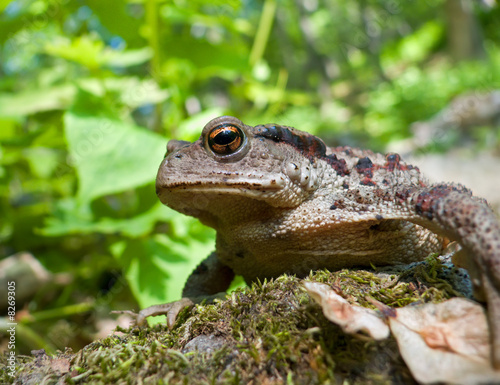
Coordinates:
(90, 92)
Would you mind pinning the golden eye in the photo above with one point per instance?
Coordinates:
(225, 139)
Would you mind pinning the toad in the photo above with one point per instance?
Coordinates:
(281, 201)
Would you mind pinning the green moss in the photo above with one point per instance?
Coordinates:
(271, 332)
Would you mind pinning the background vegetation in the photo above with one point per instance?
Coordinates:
(90, 92)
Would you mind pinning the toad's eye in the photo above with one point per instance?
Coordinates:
(225, 139)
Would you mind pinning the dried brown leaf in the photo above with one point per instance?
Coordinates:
(351, 318)
(446, 342)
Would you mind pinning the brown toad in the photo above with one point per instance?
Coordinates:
(281, 201)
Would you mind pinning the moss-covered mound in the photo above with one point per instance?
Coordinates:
(270, 333)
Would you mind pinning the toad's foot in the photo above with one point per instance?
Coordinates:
(208, 282)
(171, 310)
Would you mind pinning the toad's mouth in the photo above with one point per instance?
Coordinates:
(219, 182)
(225, 185)
(248, 188)
(222, 189)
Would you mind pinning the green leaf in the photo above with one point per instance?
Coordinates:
(71, 220)
(42, 161)
(136, 226)
(111, 156)
(91, 52)
(157, 268)
(8, 130)
(37, 100)
(415, 47)
(131, 91)
(129, 57)
(86, 50)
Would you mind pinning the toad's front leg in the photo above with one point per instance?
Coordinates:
(207, 282)
(451, 210)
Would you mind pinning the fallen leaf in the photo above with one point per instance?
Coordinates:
(446, 342)
(351, 318)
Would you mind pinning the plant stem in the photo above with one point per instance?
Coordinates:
(263, 31)
(153, 23)
(59, 312)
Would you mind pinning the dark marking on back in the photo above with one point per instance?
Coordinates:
(366, 167)
(364, 164)
(392, 162)
(308, 145)
(339, 165)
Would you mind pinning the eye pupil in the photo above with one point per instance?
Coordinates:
(225, 139)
